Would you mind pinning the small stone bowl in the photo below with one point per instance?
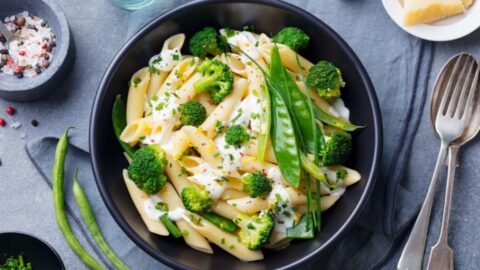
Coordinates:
(29, 89)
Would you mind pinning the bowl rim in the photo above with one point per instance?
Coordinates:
(376, 123)
(29, 84)
(28, 235)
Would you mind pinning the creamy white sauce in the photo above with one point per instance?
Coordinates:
(283, 212)
(211, 179)
(149, 207)
(166, 108)
(338, 109)
(177, 214)
(232, 156)
(332, 176)
(248, 111)
(165, 111)
(166, 60)
(246, 41)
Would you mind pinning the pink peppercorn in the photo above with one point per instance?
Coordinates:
(2, 122)
(10, 110)
(22, 53)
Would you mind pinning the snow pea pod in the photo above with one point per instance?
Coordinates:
(284, 140)
(334, 121)
(58, 175)
(297, 102)
(89, 218)
(119, 121)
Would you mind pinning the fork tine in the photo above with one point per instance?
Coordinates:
(448, 89)
(460, 81)
(471, 94)
(466, 83)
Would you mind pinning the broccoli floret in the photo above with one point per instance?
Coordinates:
(255, 230)
(256, 184)
(216, 78)
(192, 113)
(147, 169)
(326, 78)
(208, 41)
(236, 135)
(293, 37)
(337, 149)
(196, 200)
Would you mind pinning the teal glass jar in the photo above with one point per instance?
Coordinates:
(131, 4)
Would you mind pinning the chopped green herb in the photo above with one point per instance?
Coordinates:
(341, 174)
(136, 81)
(229, 32)
(176, 57)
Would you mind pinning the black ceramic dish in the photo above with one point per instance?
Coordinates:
(33, 250)
(28, 89)
(267, 16)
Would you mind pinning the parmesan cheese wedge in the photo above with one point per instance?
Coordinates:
(425, 11)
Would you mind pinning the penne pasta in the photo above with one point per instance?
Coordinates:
(136, 95)
(191, 236)
(138, 198)
(287, 55)
(225, 241)
(224, 209)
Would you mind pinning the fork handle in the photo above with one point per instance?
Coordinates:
(441, 256)
(412, 254)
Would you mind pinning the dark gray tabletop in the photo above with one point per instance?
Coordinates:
(402, 69)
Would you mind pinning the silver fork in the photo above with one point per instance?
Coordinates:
(441, 255)
(453, 110)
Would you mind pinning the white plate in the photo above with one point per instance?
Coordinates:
(444, 30)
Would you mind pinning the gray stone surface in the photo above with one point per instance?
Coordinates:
(393, 59)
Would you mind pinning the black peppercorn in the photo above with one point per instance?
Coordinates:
(19, 74)
(34, 123)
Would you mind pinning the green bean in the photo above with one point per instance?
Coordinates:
(334, 121)
(312, 168)
(58, 175)
(119, 121)
(266, 120)
(171, 227)
(284, 140)
(221, 222)
(89, 219)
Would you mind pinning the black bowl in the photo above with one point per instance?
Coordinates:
(29, 89)
(33, 250)
(267, 16)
